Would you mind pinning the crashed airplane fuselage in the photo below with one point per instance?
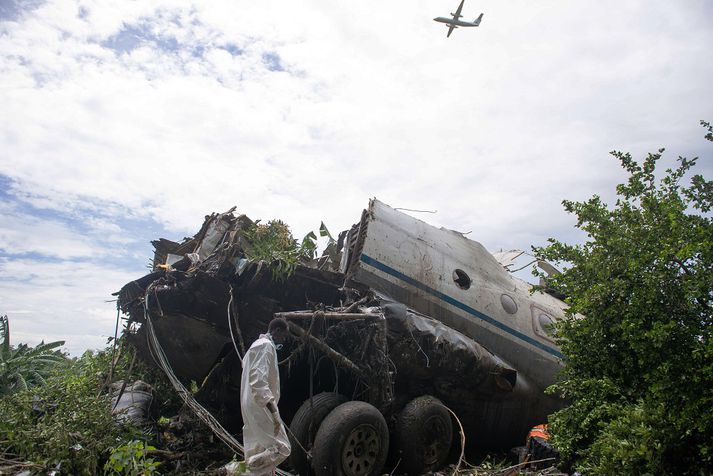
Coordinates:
(445, 275)
(455, 280)
(401, 315)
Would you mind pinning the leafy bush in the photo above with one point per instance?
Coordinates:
(65, 423)
(131, 459)
(639, 367)
(273, 242)
(634, 437)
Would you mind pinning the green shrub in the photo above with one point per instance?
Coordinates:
(273, 243)
(70, 426)
(634, 437)
(639, 366)
(131, 459)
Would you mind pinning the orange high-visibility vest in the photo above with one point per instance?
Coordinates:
(539, 431)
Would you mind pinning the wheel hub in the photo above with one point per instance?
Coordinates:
(432, 439)
(360, 451)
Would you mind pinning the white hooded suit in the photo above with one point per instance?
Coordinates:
(259, 384)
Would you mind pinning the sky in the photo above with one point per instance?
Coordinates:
(125, 121)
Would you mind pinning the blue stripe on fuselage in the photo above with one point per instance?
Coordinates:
(454, 302)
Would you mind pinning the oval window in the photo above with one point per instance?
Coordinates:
(508, 304)
(546, 322)
(461, 279)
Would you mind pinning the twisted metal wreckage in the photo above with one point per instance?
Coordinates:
(395, 322)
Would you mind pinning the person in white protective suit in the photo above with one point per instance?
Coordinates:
(264, 437)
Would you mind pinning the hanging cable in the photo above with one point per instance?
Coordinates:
(230, 326)
(204, 415)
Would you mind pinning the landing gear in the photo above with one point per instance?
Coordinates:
(353, 440)
(304, 426)
(423, 435)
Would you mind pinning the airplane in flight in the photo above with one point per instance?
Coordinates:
(454, 22)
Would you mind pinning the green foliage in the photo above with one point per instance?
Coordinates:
(639, 367)
(324, 232)
(494, 463)
(274, 244)
(634, 440)
(131, 459)
(70, 425)
(25, 367)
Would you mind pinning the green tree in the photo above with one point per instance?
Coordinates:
(24, 367)
(639, 366)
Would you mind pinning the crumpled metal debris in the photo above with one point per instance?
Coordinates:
(208, 300)
(131, 402)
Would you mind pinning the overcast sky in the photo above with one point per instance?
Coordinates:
(124, 121)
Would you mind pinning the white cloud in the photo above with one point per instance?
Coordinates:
(25, 234)
(169, 110)
(60, 300)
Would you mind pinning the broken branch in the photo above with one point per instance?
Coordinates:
(335, 356)
(327, 315)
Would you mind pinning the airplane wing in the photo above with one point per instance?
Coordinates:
(457, 14)
(451, 27)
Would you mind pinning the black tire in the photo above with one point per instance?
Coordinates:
(353, 440)
(304, 427)
(423, 434)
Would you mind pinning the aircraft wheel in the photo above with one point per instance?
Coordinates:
(304, 426)
(423, 434)
(353, 440)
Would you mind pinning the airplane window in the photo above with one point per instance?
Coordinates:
(546, 323)
(461, 279)
(508, 304)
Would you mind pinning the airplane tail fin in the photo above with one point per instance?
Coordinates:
(477, 20)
